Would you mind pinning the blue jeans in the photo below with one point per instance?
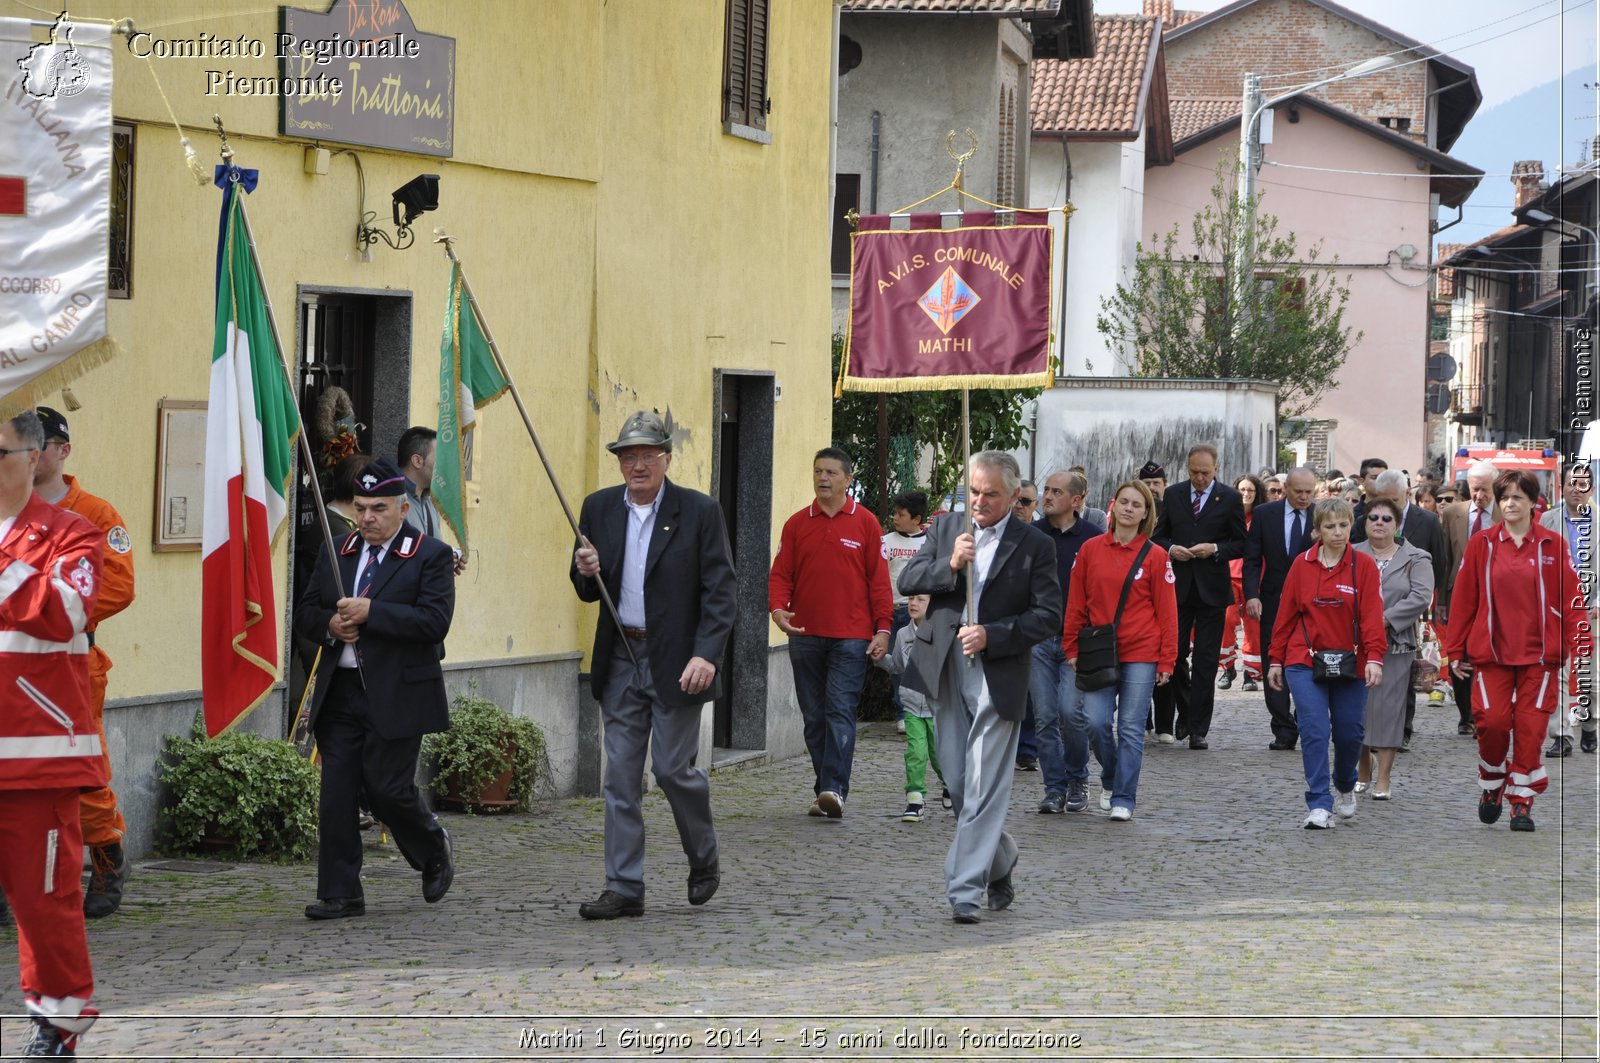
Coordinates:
(1120, 760)
(828, 677)
(1060, 725)
(1339, 708)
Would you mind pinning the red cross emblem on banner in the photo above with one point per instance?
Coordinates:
(13, 199)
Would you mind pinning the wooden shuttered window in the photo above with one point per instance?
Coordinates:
(744, 67)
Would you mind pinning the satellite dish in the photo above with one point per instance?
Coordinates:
(1438, 398)
(1441, 367)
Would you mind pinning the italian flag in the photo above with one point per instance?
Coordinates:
(251, 425)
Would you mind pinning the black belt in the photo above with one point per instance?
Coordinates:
(634, 633)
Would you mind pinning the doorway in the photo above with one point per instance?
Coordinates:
(741, 481)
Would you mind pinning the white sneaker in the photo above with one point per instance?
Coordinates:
(1122, 812)
(1345, 806)
(1105, 800)
(1320, 819)
(1165, 739)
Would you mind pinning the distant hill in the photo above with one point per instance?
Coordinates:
(1529, 126)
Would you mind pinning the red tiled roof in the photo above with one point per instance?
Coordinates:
(1171, 18)
(1102, 94)
(1196, 114)
(955, 7)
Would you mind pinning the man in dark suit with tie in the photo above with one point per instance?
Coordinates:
(1279, 532)
(662, 551)
(1460, 521)
(1202, 528)
(976, 673)
(378, 689)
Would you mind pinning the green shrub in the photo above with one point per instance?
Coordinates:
(483, 741)
(254, 797)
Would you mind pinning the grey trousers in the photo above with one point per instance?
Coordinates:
(634, 719)
(978, 751)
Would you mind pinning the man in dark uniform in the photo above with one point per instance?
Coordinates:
(379, 689)
(662, 551)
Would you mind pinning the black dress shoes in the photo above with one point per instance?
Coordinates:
(438, 874)
(966, 913)
(612, 905)
(1560, 746)
(1587, 741)
(1197, 742)
(337, 908)
(703, 883)
(1280, 745)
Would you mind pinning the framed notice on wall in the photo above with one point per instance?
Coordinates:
(180, 474)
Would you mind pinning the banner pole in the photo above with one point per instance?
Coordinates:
(511, 385)
(305, 442)
(966, 412)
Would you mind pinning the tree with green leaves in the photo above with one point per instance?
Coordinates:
(1179, 315)
(918, 422)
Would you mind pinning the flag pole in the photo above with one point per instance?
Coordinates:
(966, 392)
(440, 237)
(272, 323)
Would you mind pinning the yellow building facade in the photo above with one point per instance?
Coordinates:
(630, 249)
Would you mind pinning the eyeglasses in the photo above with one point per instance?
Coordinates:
(7, 452)
(649, 461)
(1379, 518)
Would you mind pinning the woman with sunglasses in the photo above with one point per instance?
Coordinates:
(1405, 574)
(1332, 609)
(1512, 623)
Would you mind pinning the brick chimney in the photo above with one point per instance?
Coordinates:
(1527, 177)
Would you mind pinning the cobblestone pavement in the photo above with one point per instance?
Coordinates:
(1209, 926)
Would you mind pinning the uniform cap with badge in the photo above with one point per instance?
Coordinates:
(381, 478)
(55, 425)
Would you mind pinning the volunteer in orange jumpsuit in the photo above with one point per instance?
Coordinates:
(103, 826)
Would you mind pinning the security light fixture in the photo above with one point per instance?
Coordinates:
(417, 196)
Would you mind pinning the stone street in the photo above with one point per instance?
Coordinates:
(1211, 925)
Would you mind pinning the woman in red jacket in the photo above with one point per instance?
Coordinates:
(1332, 601)
(1514, 617)
(1147, 638)
(1242, 653)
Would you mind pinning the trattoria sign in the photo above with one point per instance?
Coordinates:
(398, 85)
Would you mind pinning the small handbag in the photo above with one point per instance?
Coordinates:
(1337, 665)
(1097, 644)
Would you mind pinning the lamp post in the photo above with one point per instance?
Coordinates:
(1250, 112)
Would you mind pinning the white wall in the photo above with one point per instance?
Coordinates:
(1107, 190)
(1112, 427)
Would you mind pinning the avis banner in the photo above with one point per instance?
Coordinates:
(934, 309)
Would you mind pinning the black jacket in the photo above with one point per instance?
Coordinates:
(413, 599)
(689, 588)
(1220, 522)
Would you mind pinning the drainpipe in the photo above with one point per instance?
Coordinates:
(872, 196)
(833, 119)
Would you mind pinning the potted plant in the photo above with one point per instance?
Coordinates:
(489, 760)
(240, 796)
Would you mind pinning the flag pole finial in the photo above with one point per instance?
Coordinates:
(227, 149)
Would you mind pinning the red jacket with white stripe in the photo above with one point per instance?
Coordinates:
(1321, 604)
(1149, 629)
(1487, 610)
(49, 578)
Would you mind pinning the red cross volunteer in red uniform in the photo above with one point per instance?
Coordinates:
(50, 751)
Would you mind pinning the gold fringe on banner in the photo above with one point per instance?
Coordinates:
(59, 376)
(1016, 381)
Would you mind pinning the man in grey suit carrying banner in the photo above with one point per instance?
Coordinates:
(976, 673)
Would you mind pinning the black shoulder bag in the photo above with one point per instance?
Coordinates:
(1097, 644)
(1338, 665)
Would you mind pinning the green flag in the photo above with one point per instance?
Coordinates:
(468, 381)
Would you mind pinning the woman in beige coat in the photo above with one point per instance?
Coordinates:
(1406, 574)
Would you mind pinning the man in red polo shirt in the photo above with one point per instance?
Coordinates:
(829, 592)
